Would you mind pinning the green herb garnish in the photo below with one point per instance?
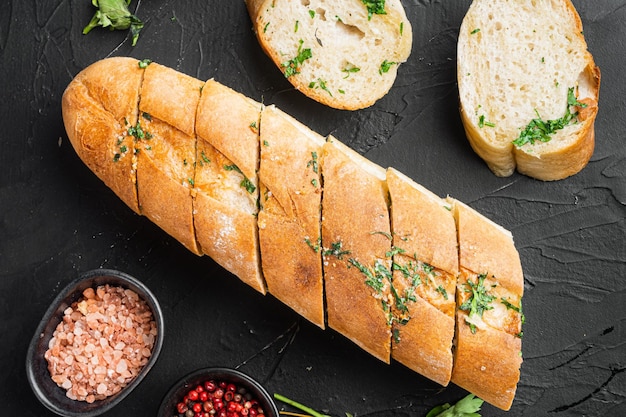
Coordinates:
(316, 246)
(350, 69)
(466, 407)
(137, 132)
(479, 301)
(313, 162)
(292, 67)
(143, 64)
(482, 122)
(374, 7)
(336, 250)
(115, 15)
(301, 407)
(321, 84)
(245, 183)
(540, 130)
(385, 66)
(514, 308)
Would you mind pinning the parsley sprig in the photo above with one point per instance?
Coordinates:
(540, 130)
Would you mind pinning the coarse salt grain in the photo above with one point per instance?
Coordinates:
(101, 344)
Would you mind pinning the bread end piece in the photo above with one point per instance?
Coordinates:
(98, 106)
(490, 286)
(334, 52)
(516, 65)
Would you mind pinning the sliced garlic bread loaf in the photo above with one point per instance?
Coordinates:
(342, 53)
(211, 166)
(528, 87)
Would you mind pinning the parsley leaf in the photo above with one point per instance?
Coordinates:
(114, 14)
(292, 67)
(465, 407)
(374, 7)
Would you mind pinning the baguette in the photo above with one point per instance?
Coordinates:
(520, 66)
(337, 52)
(344, 242)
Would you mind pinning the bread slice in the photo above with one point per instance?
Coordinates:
(335, 52)
(355, 244)
(99, 105)
(166, 151)
(517, 63)
(226, 184)
(488, 350)
(424, 276)
(289, 219)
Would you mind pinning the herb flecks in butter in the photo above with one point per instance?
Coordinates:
(292, 67)
(479, 300)
(539, 130)
(374, 7)
(385, 66)
(245, 183)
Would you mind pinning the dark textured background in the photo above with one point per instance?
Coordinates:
(57, 219)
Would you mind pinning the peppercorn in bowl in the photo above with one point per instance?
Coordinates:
(96, 342)
(217, 392)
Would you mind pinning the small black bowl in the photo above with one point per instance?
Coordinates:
(180, 388)
(46, 390)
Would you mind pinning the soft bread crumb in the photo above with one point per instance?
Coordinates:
(516, 62)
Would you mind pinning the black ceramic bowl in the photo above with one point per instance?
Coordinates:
(46, 390)
(241, 380)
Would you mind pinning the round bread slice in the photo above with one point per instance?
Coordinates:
(340, 53)
(528, 87)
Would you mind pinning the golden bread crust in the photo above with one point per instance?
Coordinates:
(487, 356)
(325, 228)
(425, 230)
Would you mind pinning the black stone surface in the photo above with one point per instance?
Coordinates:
(58, 220)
